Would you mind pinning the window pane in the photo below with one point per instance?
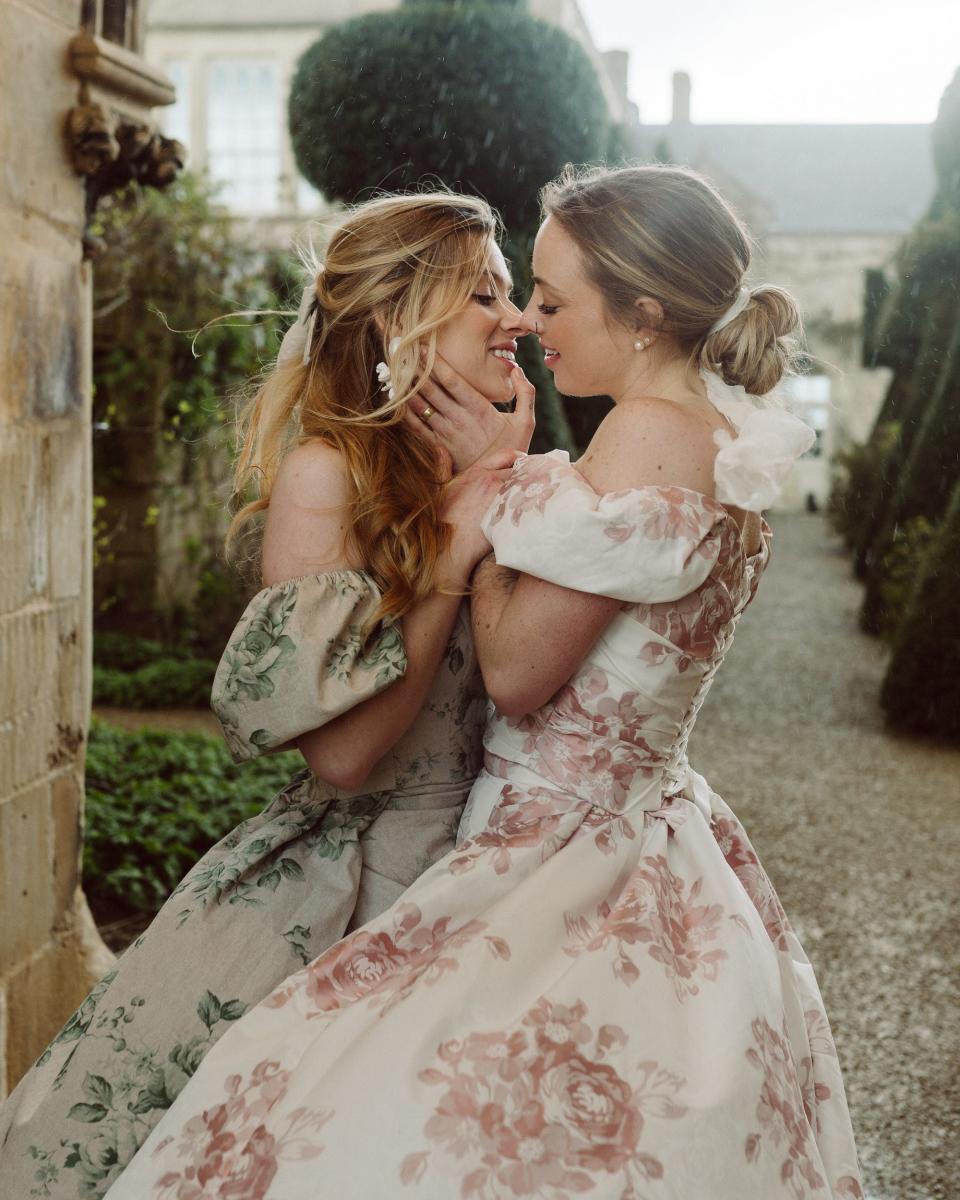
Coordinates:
(809, 397)
(175, 119)
(243, 132)
(114, 27)
(309, 200)
(88, 16)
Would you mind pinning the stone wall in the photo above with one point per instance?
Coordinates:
(826, 274)
(49, 950)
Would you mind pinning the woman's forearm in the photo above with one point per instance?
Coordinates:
(531, 635)
(344, 751)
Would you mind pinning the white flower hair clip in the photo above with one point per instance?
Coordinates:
(383, 371)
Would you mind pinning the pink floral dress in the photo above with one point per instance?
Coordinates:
(597, 992)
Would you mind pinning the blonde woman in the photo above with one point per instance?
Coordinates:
(357, 651)
(597, 992)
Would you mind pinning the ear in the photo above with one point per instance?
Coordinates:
(649, 314)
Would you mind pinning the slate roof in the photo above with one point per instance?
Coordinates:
(829, 179)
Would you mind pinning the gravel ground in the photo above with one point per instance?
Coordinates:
(858, 830)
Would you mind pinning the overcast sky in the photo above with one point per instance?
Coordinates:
(769, 61)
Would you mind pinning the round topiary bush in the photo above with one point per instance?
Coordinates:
(477, 94)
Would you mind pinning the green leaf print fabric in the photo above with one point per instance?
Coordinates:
(272, 895)
(304, 652)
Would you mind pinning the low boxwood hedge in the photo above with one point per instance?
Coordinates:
(156, 802)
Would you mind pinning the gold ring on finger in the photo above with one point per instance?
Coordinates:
(427, 414)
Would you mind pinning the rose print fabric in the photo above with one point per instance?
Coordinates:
(270, 897)
(596, 992)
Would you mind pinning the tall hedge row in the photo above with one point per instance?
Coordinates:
(900, 511)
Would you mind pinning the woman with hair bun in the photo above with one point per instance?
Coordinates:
(597, 991)
(357, 652)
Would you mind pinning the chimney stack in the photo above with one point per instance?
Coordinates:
(681, 98)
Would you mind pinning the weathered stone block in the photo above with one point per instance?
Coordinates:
(26, 897)
(35, 63)
(28, 651)
(23, 537)
(45, 989)
(67, 842)
(74, 666)
(42, 342)
(69, 512)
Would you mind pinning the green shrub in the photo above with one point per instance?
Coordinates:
(121, 652)
(898, 572)
(921, 691)
(856, 470)
(480, 95)
(164, 683)
(155, 804)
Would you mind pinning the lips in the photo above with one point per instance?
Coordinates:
(550, 356)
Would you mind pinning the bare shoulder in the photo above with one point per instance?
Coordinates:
(651, 441)
(312, 475)
(308, 521)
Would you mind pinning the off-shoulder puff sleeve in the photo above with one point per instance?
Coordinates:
(643, 545)
(303, 652)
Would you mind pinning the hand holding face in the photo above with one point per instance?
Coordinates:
(462, 423)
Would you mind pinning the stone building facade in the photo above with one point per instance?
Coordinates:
(73, 102)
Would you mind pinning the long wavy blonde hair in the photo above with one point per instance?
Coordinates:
(395, 270)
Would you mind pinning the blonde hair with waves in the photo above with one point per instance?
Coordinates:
(398, 267)
(666, 233)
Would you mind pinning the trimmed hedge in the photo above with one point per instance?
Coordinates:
(921, 691)
(164, 683)
(135, 672)
(481, 95)
(155, 804)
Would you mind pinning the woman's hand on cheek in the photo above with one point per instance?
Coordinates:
(464, 422)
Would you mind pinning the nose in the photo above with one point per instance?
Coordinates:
(529, 317)
(517, 322)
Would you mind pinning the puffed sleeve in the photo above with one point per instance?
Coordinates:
(643, 545)
(303, 652)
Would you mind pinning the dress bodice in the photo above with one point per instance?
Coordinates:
(617, 733)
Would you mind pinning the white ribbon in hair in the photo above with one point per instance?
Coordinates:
(734, 311)
(298, 340)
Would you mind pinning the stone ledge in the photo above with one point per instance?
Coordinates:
(119, 71)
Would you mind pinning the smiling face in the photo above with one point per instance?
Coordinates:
(587, 350)
(480, 342)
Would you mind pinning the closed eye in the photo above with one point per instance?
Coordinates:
(484, 299)
(548, 309)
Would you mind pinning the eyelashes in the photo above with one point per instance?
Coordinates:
(548, 309)
(487, 300)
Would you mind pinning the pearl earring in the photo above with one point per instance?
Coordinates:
(642, 343)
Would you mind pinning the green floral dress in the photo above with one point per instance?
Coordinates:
(271, 896)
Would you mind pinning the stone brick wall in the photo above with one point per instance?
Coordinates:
(49, 950)
(826, 274)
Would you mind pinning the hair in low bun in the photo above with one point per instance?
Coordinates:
(666, 233)
(757, 348)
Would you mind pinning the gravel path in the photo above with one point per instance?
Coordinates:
(858, 830)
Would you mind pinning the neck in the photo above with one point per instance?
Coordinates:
(673, 379)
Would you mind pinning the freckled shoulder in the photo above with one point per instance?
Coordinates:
(308, 521)
(651, 441)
